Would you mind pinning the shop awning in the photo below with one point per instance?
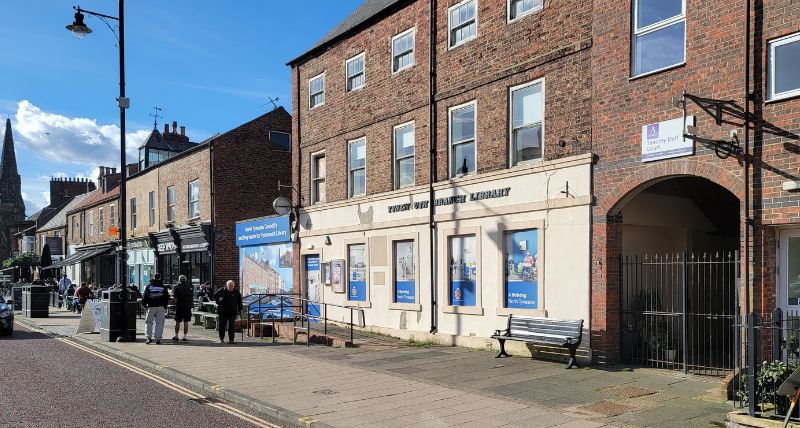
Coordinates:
(81, 255)
(164, 242)
(194, 238)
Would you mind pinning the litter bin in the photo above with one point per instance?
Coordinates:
(36, 301)
(111, 317)
(17, 296)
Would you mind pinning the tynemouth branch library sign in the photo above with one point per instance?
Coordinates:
(452, 200)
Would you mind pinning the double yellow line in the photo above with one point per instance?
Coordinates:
(173, 386)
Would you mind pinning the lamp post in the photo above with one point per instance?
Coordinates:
(81, 30)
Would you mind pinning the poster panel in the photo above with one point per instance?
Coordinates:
(266, 269)
(337, 276)
(312, 286)
(463, 270)
(405, 290)
(357, 273)
(522, 269)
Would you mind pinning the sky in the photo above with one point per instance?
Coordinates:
(210, 66)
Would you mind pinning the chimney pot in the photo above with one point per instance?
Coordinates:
(174, 127)
(166, 128)
(183, 130)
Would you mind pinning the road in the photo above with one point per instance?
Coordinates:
(53, 382)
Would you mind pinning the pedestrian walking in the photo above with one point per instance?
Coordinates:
(229, 304)
(182, 293)
(155, 299)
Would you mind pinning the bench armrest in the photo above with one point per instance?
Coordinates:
(503, 332)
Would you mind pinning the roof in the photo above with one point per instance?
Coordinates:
(94, 198)
(60, 219)
(157, 141)
(35, 216)
(363, 14)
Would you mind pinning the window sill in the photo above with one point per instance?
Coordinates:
(399, 70)
(463, 310)
(196, 218)
(522, 312)
(654, 72)
(358, 304)
(405, 307)
(525, 15)
(462, 43)
(782, 98)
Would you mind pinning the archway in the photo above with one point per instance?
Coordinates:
(678, 273)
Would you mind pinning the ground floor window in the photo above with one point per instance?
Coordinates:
(357, 272)
(463, 268)
(405, 287)
(793, 271)
(197, 264)
(521, 270)
(170, 268)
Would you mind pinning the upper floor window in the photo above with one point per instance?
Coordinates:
(100, 221)
(151, 199)
(112, 219)
(318, 178)
(783, 66)
(520, 8)
(74, 229)
(194, 199)
(527, 120)
(357, 167)
(316, 91)
(463, 22)
(403, 50)
(355, 72)
(659, 35)
(281, 139)
(90, 220)
(171, 203)
(462, 139)
(404, 156)
(133, 213)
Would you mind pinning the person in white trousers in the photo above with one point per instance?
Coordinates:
(155, 299)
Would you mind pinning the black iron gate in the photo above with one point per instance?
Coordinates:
(678, 311)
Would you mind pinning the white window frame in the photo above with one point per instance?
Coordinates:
(133, 208)
(638, 32)
(450, 135)
(511, 91)
(170, 206)
(90, 214)
(310, 95)
(393, 240)
(151, 200)
(111, 211)
(524, 14)
(314, 179)
(413, 31)
(349, 170)
(772, 44)
(347, 77)
(189, 188)
(450, 44)
(396, 160)
(100, 221)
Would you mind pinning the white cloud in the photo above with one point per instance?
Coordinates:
(72, 140)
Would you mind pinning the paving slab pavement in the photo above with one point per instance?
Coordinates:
(393, 384)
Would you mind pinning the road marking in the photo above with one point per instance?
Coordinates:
(173, 386)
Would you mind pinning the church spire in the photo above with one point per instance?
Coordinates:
(8, 162)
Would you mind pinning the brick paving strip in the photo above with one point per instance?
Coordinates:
(411, 386)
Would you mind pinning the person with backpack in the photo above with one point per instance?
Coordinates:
(229, 305)
(182, 293)
(155, 299)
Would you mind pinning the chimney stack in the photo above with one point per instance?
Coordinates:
(183, 131)
(166, 128)
(174, 127)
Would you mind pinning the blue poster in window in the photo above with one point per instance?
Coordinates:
(463, 271)
(312, 287)
(522, 269)
(357, 273)
(405, 286)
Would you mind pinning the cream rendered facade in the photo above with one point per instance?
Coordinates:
(551, 196)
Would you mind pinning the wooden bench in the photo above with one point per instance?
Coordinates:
(198, 317)
(210, 321)
(542, 331)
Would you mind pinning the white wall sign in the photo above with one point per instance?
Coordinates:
(664, 140)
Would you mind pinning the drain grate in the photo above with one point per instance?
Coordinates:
(605, 408)
(629, 391)
(325, 391)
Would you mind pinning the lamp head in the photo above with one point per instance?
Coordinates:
(79, 28)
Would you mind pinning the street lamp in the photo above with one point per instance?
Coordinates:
(81, 30)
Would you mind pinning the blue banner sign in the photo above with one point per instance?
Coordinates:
(263, 231)
(522, 269)
(405, 292)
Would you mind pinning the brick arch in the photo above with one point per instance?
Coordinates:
(643, 177)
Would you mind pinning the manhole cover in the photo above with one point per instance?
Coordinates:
(605, 408)
(629, 391)
(324, 392)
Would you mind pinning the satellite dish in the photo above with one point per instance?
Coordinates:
(282, 205)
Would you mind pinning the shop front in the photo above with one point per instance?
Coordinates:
(195, 254)
(93, 264)
(141, 262)
(515, 241)
(265, 256)
(167, 256)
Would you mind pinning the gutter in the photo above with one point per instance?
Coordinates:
(432, 158)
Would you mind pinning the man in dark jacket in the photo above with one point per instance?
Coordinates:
(229, 304)
(182, 293)
(155, 299)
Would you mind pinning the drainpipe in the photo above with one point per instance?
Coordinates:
(747, 99)
(299, 181)
(432, 158)
(212, 259)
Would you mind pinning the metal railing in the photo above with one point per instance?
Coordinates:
(769, 353)
(291, 306)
